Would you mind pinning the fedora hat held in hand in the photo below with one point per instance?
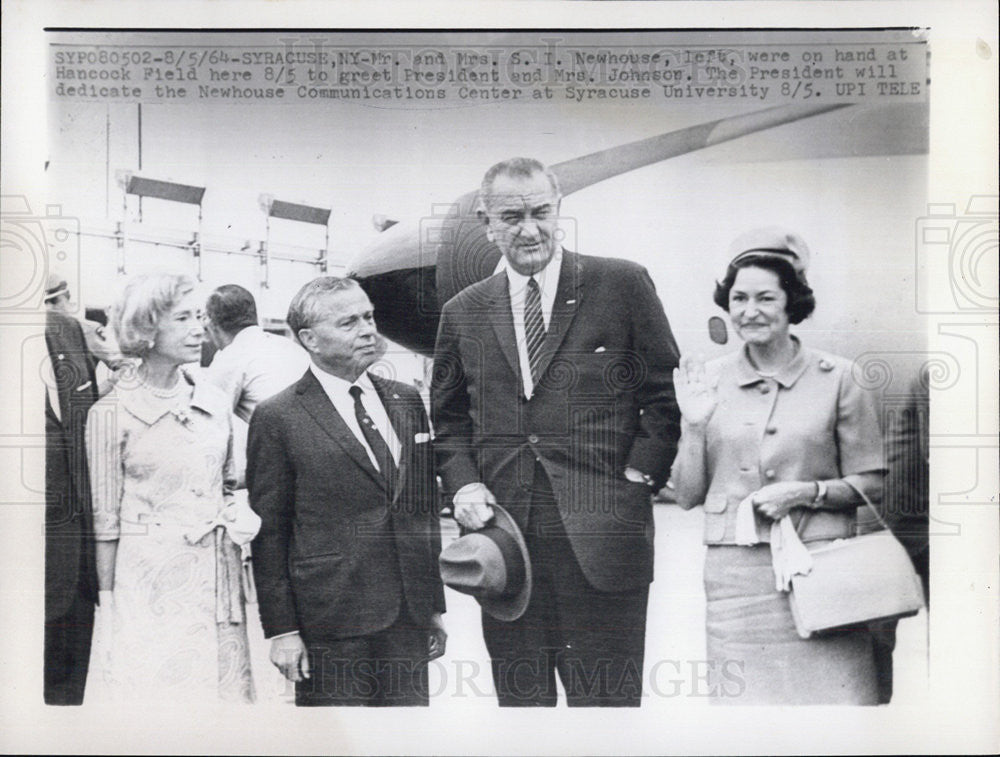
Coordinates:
(491, 564)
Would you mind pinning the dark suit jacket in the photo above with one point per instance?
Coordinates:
(69, 542)
(904, 504)
(336, 556)
(604, 401)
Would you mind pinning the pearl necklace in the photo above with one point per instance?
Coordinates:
(165, 394)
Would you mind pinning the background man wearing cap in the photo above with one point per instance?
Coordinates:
(99, 340)
(553, 396)
(341, 471)
(70, 570)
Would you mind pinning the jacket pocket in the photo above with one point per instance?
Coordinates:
(308, 559)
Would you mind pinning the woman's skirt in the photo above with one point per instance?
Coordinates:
(754, 651)
(162, 638)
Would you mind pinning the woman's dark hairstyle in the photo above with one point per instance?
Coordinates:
(801, 301)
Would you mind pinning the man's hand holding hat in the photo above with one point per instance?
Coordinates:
(473, 506)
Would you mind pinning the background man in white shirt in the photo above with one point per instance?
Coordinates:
(250, 364)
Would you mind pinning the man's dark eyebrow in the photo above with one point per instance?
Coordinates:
(530, 209)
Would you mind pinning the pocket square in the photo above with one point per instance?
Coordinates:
(421, 438)
(599, 349)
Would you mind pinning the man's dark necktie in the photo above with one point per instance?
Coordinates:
(385, 462)
(534, 326)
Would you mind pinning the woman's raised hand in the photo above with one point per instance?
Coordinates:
(696, 390)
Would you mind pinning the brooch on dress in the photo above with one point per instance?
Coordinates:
(183, 415)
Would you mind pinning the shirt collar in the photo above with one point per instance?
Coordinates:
(746, 374)
(335, 385)
(547, 277)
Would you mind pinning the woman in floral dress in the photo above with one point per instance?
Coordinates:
(171, 623)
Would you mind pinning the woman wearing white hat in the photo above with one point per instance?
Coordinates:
(775, 438)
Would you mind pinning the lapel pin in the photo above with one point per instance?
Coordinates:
(570, 302)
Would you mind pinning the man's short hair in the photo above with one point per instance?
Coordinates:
(522, 168)
(304, 310)
(146, 299)
(231, 308)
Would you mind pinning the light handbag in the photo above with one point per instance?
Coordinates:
(855, 581)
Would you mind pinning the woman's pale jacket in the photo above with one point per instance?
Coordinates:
(812, 421)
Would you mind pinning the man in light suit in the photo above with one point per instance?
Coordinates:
(340, 469)
(553, 396)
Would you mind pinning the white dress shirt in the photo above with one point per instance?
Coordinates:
(256, 365)
(548, 282)
(339, 393)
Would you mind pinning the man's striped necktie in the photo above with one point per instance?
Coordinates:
(534, 326)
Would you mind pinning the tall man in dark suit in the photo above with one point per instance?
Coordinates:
(341, 471)
(552, 395)
(904, 506)
(70, 570)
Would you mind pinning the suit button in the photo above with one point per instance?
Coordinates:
(764, 389)
(533, 438)
(770, 430)
(769, 473)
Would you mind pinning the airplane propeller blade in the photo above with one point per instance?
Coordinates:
(586, 170)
